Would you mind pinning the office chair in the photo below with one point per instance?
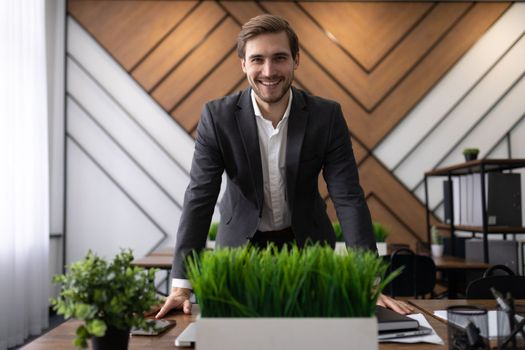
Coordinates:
(417, 278)
(508, 282)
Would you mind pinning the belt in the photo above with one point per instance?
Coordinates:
(279, 238)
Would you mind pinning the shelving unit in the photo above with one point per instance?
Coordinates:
(481, 166)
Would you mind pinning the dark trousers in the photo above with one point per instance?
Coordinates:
(278, 238)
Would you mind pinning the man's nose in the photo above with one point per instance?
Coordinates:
(268, 68)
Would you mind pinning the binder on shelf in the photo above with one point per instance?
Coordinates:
(452, 205)
(502, 198)
(463, 200)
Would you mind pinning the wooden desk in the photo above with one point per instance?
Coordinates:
(61, 337)
(163, 252)
(445, 263)
(162, 262)
(455, 267)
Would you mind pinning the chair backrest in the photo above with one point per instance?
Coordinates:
(498, 270)
(509, 283)
(417, 278)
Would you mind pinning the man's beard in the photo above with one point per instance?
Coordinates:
(270, 99)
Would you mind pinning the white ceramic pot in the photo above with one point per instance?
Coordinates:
(437, 250)
(210, 244)
(340, 247)
(381, 248)
(286, 333)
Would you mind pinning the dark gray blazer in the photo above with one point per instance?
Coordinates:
(227, 140)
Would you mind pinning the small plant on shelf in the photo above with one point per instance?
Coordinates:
(470, 153)
(381, 232)
(437, 242)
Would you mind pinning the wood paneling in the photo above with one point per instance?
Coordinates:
(129, 29)
(376, 59)
(187, 37)
(368, 31)
(221, 82)
(197, 66)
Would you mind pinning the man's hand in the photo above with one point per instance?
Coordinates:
(397, 305)
(179, 298)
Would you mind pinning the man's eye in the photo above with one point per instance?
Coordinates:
(280, 58)
(257, 60)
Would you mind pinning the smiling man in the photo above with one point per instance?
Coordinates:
(273, 141)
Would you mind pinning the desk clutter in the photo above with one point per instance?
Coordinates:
(472, 327)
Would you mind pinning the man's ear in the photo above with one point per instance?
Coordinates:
(243, 66)
(296, 61)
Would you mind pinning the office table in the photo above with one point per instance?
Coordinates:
(61, 337)
(455, 266)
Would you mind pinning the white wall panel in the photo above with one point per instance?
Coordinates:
(462, 77)
(55, 47)
(497, 123)
(120, 167)
(126, 132)
(479, 102)
(129, 94)
(100, 216)
(500, 151)
(487, 134)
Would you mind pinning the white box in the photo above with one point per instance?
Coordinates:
(286, 333)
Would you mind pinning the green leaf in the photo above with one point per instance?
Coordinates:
(96, 327)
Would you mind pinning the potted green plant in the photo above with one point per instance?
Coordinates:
(109, 297)
(381, 233)
(470, 153)
(302, 297)
(437, 242)
(340, 245)
(212, 234)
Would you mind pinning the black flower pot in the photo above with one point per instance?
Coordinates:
(470, 156)
(114, 339)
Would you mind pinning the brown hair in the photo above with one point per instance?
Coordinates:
(263, 24)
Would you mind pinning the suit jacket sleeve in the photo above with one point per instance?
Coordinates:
(201, 195)
(342, 179)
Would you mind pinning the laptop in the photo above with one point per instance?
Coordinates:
(391, 325)
(187, 336)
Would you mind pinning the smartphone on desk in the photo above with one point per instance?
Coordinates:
(159, 326)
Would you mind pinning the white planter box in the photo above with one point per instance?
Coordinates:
(286, 333)
(340, 247)
(437, 250)
(210, 244)
(381, 248)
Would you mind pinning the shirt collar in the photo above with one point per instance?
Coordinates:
(258, 113)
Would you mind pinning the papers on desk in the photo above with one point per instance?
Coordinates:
(432, 338)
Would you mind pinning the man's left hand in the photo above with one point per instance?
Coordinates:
(398, 306)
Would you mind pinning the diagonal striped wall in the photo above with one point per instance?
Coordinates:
(417, 82)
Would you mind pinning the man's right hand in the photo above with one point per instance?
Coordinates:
(179, 299)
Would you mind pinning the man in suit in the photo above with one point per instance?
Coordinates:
(272, 140)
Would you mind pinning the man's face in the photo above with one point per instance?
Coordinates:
(269, 66)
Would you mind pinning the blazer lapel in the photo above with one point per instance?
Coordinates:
(250, 139)
(296, 128)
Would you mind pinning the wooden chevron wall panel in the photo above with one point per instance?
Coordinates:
(378, 59)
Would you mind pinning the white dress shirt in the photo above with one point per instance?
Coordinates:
(272, 143)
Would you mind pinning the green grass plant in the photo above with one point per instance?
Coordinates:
(308, 282)
(212, 232)
(338, 232)
(381, 232)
